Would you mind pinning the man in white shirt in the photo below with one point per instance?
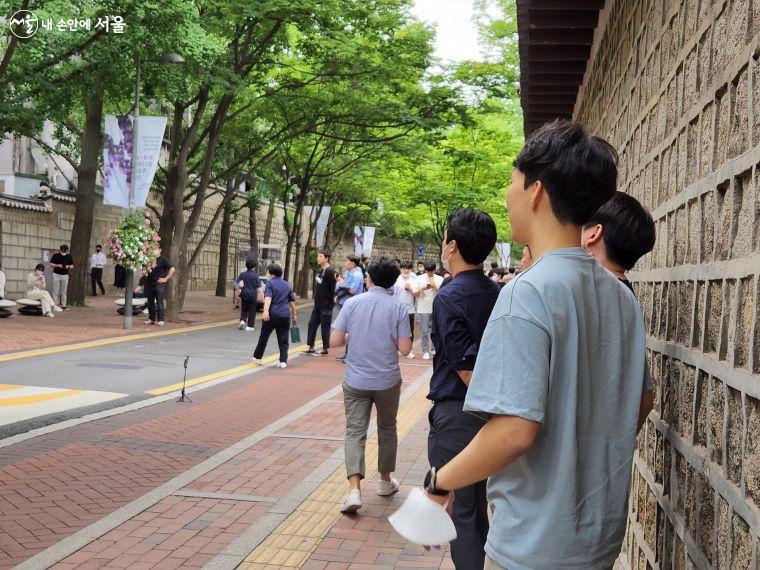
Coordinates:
(97, 262)
(2, 282)
(405, 290)
(428, 284)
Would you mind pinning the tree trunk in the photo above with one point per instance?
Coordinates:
(84, 212)
(270, 217)
(252, 226)
(224, 250)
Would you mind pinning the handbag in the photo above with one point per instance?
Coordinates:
(295, 334)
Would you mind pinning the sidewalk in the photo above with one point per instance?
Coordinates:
(250, 473)
(100, 320)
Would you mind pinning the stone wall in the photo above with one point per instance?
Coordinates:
(675, 86)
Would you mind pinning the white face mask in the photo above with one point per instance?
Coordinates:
(445, 261)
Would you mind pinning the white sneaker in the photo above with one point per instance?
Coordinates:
(388, 488)
(257, 361)
(411, 356)
(241, 326)
(57, 309)
(352, 502)
(281, 365)
(249, 329)
(160, 323)
(426, 356)
(149, 322)
(51, 315)
(145, 311)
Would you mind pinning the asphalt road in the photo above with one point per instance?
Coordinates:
(134, 367)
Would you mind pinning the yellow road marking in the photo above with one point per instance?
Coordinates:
(10, 386)
(37, 398)
(116, 340)
(293, 541)
(215, 375)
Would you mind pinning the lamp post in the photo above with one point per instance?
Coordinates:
(129, 282)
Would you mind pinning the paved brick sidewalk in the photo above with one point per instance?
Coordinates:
(207, 483)
(100, 320)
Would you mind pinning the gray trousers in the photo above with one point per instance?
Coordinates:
(358, 404)
(451, 430)
(425, 321)
(60, 287)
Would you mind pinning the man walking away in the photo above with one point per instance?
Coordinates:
(324, 301)
(97, 262)
(378, 326)
(249, 286)
(350, 285)
(618, 234)
(429, 284)
(161, 271)
(62, 263)
(279, 312)
(406, 289)
(460, 314)
(561, 375)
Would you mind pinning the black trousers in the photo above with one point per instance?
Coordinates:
(411, 323)
(155, 296)
(451, 430)
(248, 312)
(281, 325)
(96, 277)
(323, 318)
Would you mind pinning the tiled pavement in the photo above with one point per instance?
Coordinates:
(249, 472)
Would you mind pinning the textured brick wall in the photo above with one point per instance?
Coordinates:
(675, 86)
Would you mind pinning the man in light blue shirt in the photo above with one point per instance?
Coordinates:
(349, 285)
(561, 374)
(378, 327)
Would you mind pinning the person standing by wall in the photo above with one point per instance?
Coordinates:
(161, 271)
(460, 313)
(324, 301)
(97, 262)
(62, 263)
(2, 282)
(279, 312)
(378, 325)
(348, 285)
(429, 284)
(406, 289)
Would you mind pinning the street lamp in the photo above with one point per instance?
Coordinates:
(173, 58)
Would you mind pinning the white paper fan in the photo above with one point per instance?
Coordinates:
(423, 521)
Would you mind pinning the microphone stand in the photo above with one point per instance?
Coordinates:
(184, 397)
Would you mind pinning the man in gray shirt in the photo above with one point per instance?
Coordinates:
(378, 327)
(561, 374)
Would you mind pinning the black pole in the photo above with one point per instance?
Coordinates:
(182, 396)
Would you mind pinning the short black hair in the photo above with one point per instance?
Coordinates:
(326, 252)
(275, 270)
(629, 231)
(353, 259)
(250, 263)
(98, 246)
(494, 265)
(397, 261)
(511, 269)
(39, 267)
(406, 264)
(430, 265)
(474, 232)
(64, 247)
(383, 272)
(578, 170)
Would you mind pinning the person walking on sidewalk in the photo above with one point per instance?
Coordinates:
(405, 291)
(62, 263)
(347, 286)
(378, 326)
(324, 301)
(561, 375)
(250, 289)
(429, 283)
(35, 290)
(97, 263)
(460, 314)
(161, 271)
(279, 312)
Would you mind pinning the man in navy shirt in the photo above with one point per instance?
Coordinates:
(279, 311)
(460, 314)
(249, 284)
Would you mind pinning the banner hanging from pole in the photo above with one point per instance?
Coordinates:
(321, 223)
(118, 151)
(369, 240)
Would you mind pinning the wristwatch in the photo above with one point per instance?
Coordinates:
(430, 486)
